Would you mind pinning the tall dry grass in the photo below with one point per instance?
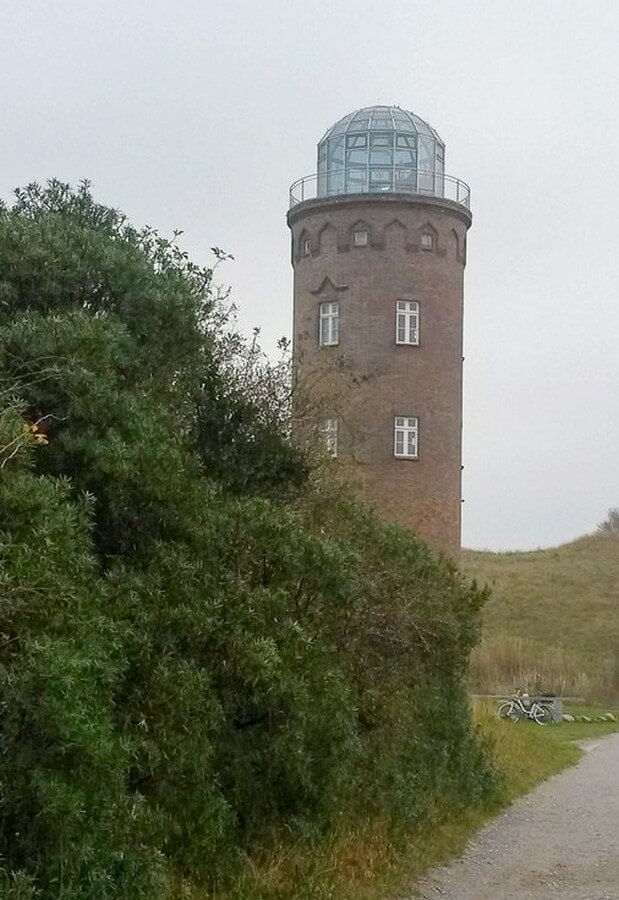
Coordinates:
(502, 663)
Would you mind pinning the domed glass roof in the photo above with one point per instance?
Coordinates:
(382, 118)
(381, 148)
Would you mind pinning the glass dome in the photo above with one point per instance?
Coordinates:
(381, 148)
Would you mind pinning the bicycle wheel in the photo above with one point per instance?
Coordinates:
(508, 710)
(541, 714)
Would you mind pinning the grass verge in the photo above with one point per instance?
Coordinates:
(525, 754)
(570, 732)
(369, 863)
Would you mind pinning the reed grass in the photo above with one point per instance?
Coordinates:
(504, 663)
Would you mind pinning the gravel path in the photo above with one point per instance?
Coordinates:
(560, 841)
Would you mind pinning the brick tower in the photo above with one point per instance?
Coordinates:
(378, 251)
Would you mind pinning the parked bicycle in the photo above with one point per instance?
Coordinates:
(521, 707)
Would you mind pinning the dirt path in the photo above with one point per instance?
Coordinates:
(560, 841)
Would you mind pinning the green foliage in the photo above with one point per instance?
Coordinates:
(62, 253)
(610, 525)
(200, 650)
(66, 818)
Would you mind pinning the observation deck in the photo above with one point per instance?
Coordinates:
(381, 150)
(398, 181)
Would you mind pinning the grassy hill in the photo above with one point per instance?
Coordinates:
(552, 613)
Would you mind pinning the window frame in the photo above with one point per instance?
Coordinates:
(429, 246)
(330, 433)
(360, 233)
(410, 313)
(329, 323)
(408, 428)
(356, 141)
(306, 247)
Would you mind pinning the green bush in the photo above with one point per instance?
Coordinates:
(201, 650)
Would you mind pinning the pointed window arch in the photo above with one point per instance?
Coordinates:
(360, 232)
(456, 242)
(305, 244)
(395, 234)
(428, 238)
(327, 237)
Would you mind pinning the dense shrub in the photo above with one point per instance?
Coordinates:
(610, 525)
(201, 649)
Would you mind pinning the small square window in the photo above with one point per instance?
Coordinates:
(307, 247)
(427, 241)
(360, 238)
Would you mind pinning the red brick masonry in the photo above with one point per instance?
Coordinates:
(368, 379)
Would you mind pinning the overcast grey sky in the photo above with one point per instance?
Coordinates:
(198, 115)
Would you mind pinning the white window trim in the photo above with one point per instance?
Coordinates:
(409, 310)
(360, 238)
(406, 437)
(427, 245)
(306, 247)
(329, 324)
(330, 429)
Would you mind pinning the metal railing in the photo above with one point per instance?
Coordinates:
(400, 180)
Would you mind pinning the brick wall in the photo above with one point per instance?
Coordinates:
(368, 379)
